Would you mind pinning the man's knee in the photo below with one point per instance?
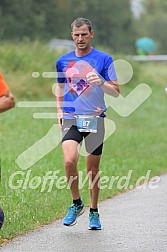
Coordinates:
(70, 163)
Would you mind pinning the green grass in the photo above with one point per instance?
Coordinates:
(138, 144)
(19, 61)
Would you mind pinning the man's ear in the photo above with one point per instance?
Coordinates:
(72, 35)
(92, 33)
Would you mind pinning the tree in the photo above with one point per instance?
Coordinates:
(112, 20)
(113, 23)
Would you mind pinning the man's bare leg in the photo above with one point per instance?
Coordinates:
(93, 162)
(71, 155)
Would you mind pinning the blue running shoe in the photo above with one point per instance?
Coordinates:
(94, 221)
(73, 212)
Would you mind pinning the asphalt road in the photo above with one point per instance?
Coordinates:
(133, 221)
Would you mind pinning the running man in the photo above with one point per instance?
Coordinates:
(84, 75)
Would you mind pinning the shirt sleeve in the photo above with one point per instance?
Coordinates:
(3, 86)
(60, 73)
(109, 70)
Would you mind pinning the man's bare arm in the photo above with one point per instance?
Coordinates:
(109, 87)
(59, 101)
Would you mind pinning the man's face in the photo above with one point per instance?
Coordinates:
(82, 37)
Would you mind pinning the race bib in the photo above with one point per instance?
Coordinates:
(86, 123)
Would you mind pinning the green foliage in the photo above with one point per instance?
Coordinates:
(19, 61)
(112, 20)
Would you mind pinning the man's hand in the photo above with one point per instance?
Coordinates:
(93, 78)
(109, 87)
(60, 117)
(7, 101)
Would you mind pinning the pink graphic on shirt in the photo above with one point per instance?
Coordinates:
(76, 76)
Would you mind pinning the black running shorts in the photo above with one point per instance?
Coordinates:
(93, 141)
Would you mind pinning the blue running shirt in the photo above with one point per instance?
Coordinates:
(79, 96)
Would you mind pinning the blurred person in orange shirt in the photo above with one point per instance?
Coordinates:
(6, 97)
(6, 102)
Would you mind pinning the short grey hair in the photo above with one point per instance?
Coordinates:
(81, 21)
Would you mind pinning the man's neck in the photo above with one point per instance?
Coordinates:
(81, 53)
